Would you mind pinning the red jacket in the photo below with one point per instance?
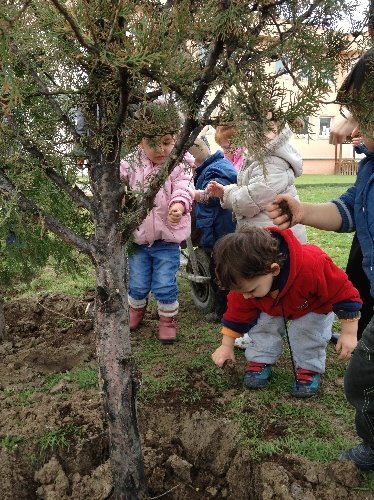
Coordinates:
(314, 284)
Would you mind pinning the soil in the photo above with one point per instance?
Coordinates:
(189, 452)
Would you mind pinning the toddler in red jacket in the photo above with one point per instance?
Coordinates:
(277, 286)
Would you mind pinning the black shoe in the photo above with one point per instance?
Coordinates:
(361, 455)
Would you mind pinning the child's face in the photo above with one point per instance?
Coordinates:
(259, 286)
(158, 149)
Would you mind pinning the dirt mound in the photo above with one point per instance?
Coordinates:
(54, 436)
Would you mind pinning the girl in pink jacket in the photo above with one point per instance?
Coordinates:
(156, 257)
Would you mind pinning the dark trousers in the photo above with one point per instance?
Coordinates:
(359, 385)
(359, 280)
(220, 305)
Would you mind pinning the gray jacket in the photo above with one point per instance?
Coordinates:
(259, 182)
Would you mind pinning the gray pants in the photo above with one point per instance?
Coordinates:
(308, 336)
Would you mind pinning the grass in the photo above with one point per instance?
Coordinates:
(85, 378)
(271, 422)
(316, 189)
(11, 442)
(51, 281)
(58, 438)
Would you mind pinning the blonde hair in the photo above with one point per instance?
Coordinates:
(224, 133)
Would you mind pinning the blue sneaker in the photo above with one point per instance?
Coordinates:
(361, 455)
(256, 375)
(306, 384)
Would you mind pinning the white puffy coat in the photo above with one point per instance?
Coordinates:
(259, 181)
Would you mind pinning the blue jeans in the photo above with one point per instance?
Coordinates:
(153, 269)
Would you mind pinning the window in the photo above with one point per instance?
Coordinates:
(324, 126)
(280, 68)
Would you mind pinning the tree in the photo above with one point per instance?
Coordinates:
(103, 59)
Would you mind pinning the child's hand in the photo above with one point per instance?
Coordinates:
(356, 141)
(347, 339)
(222, 354)
(215, 189)
(356, 137)
(175, 214)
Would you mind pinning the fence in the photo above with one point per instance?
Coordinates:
(346, 167)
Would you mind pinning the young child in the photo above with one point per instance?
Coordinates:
(212, 221)
(274, 279)
(353, 210)
(259, 182)
(156, 257)
(223, 137)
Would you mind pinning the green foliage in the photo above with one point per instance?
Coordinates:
(52, 280)
(368, 483)
(58, 438)
(11, 442)
(86, 378)
(109, 62)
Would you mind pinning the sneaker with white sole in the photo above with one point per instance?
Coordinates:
(243, 342)
(361, 455)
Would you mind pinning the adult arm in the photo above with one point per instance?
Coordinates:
(342, 128)
(286, 211)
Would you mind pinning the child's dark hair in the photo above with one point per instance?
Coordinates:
(247, 253)
(357, 90)
(356, 78)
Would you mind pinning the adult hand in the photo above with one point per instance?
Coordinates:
(285, 211)
(342, 128)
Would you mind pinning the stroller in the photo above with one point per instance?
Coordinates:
(197, 271)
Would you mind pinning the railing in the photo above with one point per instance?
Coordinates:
(346, 167)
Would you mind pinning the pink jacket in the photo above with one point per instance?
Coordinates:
(138, 170)
(238, 158)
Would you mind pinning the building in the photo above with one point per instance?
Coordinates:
(312, 142)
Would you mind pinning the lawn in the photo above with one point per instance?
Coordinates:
(323, 188)
(181, 379)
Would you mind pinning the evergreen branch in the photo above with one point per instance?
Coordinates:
(43, 88)
(74, 26)
(55, 93)
(249, 56)
(9, 190)
(88, 9)
(123, 97)
(115, 19)
(14, 21)
(157, 78)
(75, 193)
(54, 103)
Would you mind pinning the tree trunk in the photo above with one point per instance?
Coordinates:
(2, 320)
(118, 376)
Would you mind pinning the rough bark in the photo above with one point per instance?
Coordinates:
(2, 319)
(118, 379)
(118, 373)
